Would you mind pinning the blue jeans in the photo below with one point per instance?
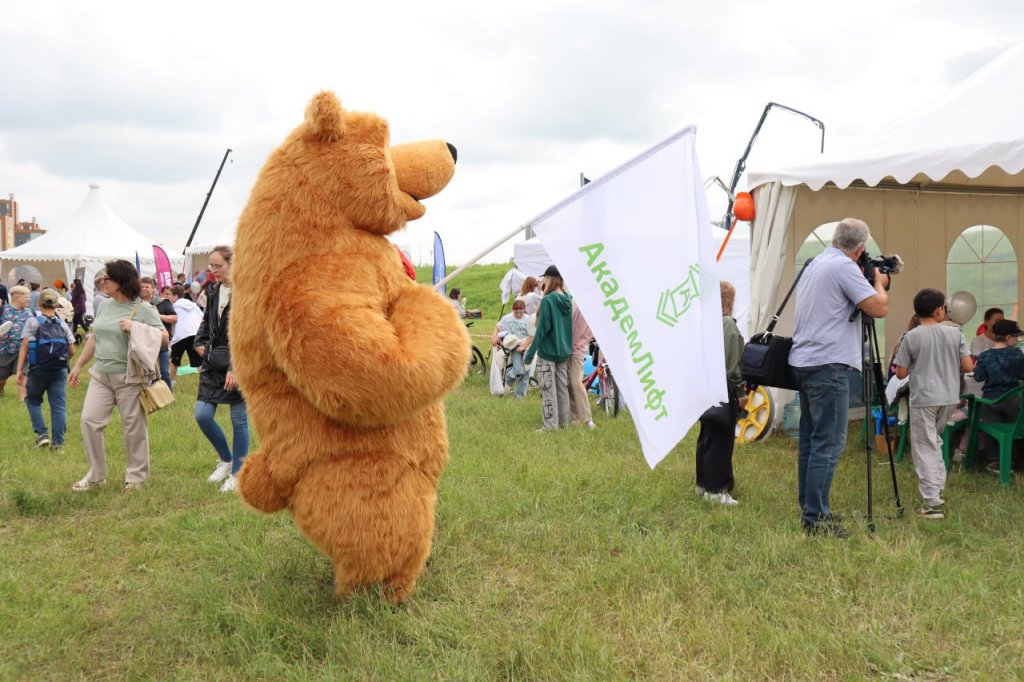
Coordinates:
(211, 429)
(165, 367)
(52, 382)
(516, 370)
(824, 403)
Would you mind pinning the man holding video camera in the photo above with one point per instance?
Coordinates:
(827, 343)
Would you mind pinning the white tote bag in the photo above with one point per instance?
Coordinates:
(497, 367)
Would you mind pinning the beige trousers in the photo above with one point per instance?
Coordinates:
(105, 392)
(579, 403)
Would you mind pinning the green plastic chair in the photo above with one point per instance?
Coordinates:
(947, 434)
(1004, 433)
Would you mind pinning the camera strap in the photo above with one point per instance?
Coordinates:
(778, 313)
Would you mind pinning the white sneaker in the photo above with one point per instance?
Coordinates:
(591, 425)
(700, 491)
(222, 471)
(230, 485)
(721, 498)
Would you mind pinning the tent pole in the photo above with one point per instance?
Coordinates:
(472, 261)
(205, 202)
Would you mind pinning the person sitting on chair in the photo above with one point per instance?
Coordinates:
(455, 298)
(999, 369)
(511, 334)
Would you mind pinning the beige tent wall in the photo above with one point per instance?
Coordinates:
(920, 225)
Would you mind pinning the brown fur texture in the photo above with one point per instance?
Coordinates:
(343, 360)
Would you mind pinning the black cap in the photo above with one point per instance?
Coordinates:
(1006, 328)
(552, 271)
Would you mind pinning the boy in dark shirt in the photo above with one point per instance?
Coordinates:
(1000, 369)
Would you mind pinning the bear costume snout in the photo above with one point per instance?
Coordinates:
(423, 168)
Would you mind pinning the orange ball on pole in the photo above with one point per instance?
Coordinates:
(743, 208)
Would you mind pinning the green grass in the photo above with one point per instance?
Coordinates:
(479, 285)
(557, 556)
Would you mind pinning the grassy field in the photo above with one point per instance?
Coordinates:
(557, 556)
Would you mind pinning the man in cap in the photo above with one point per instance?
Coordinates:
(46, 346)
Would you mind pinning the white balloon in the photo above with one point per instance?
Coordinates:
(962, 307)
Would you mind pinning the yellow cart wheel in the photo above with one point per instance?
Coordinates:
(760, 414)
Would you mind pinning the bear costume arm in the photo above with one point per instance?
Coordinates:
(355, 362)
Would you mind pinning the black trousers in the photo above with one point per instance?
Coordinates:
(78, 321)
(714, 453)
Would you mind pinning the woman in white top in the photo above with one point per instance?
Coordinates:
(189, 317)
(530, 294)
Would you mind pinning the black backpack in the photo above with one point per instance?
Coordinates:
(49, 349)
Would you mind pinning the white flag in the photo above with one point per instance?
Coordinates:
(636, 251)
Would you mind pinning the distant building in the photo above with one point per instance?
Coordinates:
(14, 232)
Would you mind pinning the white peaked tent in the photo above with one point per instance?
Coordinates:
(89, 238)
(198, 255)
(957, 163)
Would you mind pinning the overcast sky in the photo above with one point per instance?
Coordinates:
(144, 99)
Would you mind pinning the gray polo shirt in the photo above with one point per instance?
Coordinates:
(931, 353)
(829, 291)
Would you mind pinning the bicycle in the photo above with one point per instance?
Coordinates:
(608, 397)
(477, 361)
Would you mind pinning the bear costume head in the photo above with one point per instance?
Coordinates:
(383, 185)
(343, 361)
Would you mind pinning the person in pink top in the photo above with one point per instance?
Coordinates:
(579, 403)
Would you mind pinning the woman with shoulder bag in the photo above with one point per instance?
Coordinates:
(217, 384)
(718, 424)
(110, 385)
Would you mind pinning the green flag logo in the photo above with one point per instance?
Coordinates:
(674, 303)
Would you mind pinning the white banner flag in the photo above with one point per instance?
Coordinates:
(636, 251)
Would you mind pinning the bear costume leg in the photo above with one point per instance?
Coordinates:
(257, 486)
(384, 536)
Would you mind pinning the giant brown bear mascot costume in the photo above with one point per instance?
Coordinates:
(343, 360)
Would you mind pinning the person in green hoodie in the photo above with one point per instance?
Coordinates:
(553, 344)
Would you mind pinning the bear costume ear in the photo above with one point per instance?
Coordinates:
(324, 117)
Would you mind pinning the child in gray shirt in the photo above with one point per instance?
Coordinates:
(933, 355)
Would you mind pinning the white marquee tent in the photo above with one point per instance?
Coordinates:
(89, 238)
(957, 163)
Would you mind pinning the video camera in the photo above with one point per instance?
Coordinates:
(888, 265)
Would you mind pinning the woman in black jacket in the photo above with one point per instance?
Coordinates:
(217, 384)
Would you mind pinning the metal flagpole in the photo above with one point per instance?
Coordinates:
(203, 209)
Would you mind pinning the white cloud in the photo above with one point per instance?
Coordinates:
(145, 98)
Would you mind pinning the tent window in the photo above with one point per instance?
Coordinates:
(820, 238)
(25, 272)
(982, 261)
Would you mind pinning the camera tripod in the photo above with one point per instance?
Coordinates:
(872, 384)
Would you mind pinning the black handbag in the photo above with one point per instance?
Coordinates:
(765, 359)
(220, 359)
